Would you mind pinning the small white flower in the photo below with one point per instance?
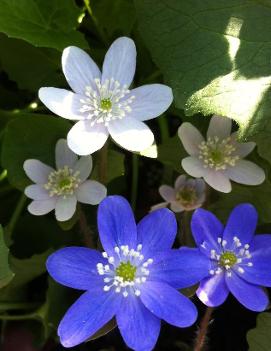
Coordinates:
(102, 102)
(219, 158)
(61, 188)
(186, 195)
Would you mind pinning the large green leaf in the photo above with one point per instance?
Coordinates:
(214, 54)
(259, 338)
(43, 23)
(30, 136)
(6, 274)
(30, 67)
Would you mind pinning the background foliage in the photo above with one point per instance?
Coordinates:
(216, 55)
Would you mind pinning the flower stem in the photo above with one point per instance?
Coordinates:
(201, 337)
(85, 229)
(163, 128)
(102, 171)
(95, 21)
(14, 219)
(134, 181)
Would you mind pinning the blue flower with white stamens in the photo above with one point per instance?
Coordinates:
(133, 280)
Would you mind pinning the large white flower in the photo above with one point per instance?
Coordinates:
(219, 158)
(60, 189)
(102, 103)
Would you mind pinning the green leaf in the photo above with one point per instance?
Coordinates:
(30, 136)
(30, 67)
(49, 23)
(115, 164)
(259, 338)
(171, 153)
(116, 17)
(6, 275)
(214, 54)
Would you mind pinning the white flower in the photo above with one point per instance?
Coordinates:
(102, 103)
(219, 158)
(60, 189)
(186, 195)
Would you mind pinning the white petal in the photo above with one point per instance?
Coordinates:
(158, 206)
(219, 126)
(150, 101)
(84, 139)
(246, 172)
(179, 181)
(193, 166)
(190, 137)
(218, 181)
(84, 166)
(131, 134)
(64, 155)
(65, 207)
(176, 207)
(62, 102)
(242, 149)
(120, 61)
(37, 171)
(79, 69)
(91, 192)
(39, 208)
(37, 192)
(167, 193)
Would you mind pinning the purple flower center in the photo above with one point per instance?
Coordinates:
(126, 271)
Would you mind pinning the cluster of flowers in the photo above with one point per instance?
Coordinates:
(137, 277)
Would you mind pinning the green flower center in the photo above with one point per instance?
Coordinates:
(62, 182)
(186, 196)
(126, 271)
(228, 258)
(106, 104)
(218, 154)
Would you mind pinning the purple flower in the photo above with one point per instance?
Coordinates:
(132, 280)
(239, 262)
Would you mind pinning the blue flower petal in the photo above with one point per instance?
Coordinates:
(157, 231)
(179, 268)
(75, 267)
(116, 223)
(138, 326)
(251, 296)
(206, 229)
(260, 272)
(213, 290)
(168, 304)
(86, 316)
(242, 223)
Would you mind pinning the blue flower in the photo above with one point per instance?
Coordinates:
(132, 280)
(239, 262)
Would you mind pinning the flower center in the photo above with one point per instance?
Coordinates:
(227, 258)
(186, 196)
(105, 102)
(235, 256)
(218, 154)
(62, 182)
(125, 271)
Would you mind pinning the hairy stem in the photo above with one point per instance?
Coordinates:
(201, 337)
(134, 181)
(85, 229)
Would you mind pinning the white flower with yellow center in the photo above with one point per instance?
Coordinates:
(102, 102)
(63, 187)
(219, 158)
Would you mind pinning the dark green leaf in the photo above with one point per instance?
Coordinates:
(49, 23)
(215, 55)
(6, 275)
(171, 153)
(30, 136)
(259, 338)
